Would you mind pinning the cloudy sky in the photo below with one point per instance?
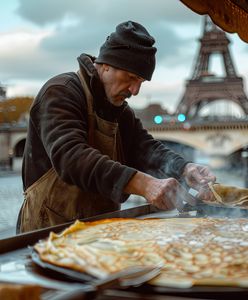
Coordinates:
(41, 38)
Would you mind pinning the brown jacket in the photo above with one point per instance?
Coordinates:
(58, 139)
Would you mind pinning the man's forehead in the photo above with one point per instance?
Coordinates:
(136, 76)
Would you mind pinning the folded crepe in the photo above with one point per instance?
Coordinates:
(230, 195)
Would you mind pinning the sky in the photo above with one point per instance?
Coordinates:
(42, 38)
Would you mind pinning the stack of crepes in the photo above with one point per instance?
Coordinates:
(230, 195)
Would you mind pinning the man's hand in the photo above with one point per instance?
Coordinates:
(165, 194)
(198, 177)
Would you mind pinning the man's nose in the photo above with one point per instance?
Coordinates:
(134, 88)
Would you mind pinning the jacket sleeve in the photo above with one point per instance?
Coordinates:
(152, 156)
(62, 125)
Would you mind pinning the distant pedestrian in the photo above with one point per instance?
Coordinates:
(11, 162)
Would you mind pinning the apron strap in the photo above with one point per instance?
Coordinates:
(89, 99)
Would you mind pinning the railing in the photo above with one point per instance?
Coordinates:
(13, 126)
(198, 125)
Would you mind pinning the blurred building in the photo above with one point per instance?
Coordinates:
(14, 115)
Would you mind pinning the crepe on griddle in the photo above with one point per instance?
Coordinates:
(193, 251)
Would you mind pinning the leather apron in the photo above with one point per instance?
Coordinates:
(50, 201)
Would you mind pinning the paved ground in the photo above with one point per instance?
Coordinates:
(10, 201)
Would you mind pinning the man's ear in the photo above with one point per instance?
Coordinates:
(105, 67)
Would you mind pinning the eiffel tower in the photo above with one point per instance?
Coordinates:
(204, 87)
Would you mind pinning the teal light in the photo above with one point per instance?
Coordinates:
(158, 119)
(181, 117)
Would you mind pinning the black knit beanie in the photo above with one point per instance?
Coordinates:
(130, 48)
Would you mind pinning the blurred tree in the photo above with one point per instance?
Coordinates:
(13, 110)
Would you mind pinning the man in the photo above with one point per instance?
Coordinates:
(86, 152)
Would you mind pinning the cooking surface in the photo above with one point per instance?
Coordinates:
(17, 267)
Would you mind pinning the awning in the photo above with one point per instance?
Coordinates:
(230, 15)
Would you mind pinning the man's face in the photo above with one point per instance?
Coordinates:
(119, 84)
